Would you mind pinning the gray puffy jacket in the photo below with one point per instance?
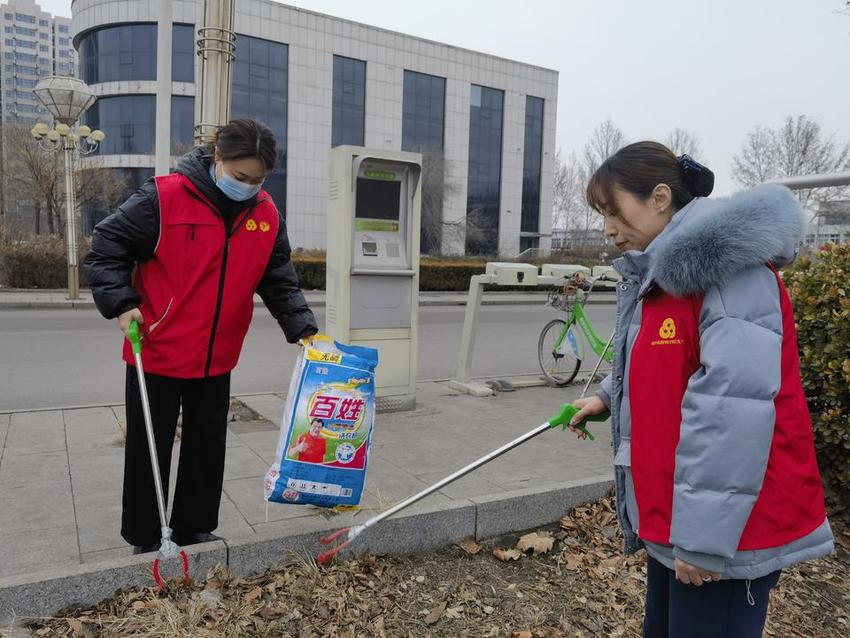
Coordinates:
(719, 251)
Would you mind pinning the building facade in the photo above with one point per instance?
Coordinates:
(485, 125)
(830, 225)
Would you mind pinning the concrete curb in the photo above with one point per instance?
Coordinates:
(423, 529)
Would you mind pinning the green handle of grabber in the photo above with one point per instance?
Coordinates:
(568, 411)
(134, 337)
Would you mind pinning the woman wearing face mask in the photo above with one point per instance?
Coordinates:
(184, 256)
(713, 449)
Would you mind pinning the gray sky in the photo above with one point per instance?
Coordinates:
(716, 68)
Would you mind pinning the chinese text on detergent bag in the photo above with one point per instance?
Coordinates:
(323, 448)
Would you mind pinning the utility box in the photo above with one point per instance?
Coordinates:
(563, 271)
(511, 274)
(372, 272)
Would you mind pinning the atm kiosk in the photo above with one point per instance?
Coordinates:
(372, 274)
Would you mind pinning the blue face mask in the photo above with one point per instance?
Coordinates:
(233, 188)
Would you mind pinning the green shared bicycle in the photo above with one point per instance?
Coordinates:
(560, 351)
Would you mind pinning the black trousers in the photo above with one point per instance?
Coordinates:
(200, 471)
(722, 609)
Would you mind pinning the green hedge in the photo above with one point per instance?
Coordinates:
(37, 263)
(41, 263)
(821, 293)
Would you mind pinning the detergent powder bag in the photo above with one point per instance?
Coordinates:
(323, 448)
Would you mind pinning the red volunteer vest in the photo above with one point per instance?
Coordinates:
(198, 288)
(665, 355)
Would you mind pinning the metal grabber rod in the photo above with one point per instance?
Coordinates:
(563, 417)
(167, 548)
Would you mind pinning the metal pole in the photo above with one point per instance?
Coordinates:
(162, 158)
(470, 325)
(818, 180)
(216, 48)
(70, 222)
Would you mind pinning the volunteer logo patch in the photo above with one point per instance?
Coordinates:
(251, 225)
(667, 332)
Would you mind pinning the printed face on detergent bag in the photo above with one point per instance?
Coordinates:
(327, 427)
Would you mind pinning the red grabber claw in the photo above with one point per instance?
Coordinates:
(330, 538)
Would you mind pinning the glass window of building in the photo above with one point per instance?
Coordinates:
(260, 90)
(63, 28)
(532, 164)
(129, 122)
(423, 111)
(43, 36)
(43, 23)
(183, 53)
(485, 170)
(125, 52)
(44, 48)
(64, 53)
(22, 17)
(9, 29)
(8, 16)
(182, 124)
(349, 101)
(26, 31)
(422, 130)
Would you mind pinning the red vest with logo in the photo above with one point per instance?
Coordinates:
(665, 354)
(198, 288)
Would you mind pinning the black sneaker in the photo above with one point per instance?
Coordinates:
(183, 539)
(146, 549)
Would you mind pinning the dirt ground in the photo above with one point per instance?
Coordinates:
(569, 580)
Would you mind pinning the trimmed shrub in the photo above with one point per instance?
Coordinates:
(39, 262)
(819, 287)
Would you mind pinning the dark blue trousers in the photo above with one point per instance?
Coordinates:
(722, 609)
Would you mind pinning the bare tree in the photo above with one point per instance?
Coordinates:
(33, 178)
(681, 142)
(605, 140)
(436, 185)
(798, 147)
(569, 183)
(35, 182)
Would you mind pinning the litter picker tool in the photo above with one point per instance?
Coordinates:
(566, 413)
(168, 548)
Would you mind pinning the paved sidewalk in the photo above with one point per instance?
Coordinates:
(61, 471)
(58, 299)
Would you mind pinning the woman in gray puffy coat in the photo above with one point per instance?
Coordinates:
(713, 449)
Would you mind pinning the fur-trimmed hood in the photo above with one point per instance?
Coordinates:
(709, 241)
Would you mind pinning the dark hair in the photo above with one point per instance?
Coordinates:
(247, 138)
(638, 168)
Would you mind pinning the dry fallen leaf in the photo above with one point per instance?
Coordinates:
(539, 542)
(469, 545)
(505, 555)
(454, 612)
(435, 614)
(522, 634)
(75, 625)
(252, 595)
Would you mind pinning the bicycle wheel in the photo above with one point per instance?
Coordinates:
(559, 369)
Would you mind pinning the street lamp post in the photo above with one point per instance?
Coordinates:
(67, 99)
